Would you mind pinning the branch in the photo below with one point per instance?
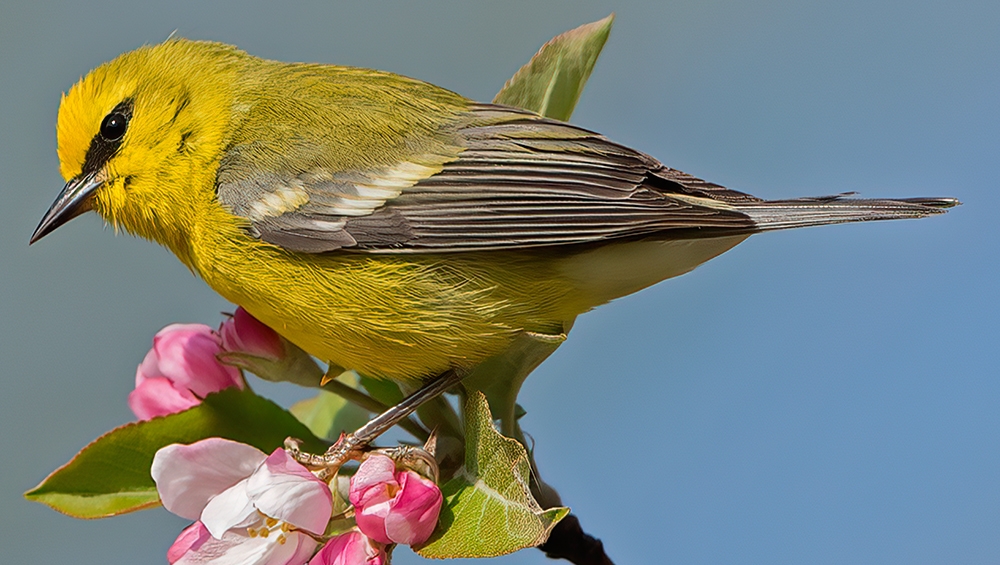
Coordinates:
(568, 541)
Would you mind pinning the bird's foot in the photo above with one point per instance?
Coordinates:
(347, 447)
(354, 445)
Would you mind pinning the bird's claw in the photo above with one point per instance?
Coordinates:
(354, 445)
(347, 447)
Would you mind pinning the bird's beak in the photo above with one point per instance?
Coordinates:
(71, 202)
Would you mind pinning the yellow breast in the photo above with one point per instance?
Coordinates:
(401, 317)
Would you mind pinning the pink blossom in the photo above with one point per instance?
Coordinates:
(351, 548)
(180, 370)
(245, 334)
(251, 508)
(394, 506)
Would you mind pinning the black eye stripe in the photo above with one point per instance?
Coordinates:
(105, 144)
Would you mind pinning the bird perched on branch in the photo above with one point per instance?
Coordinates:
(382, 223)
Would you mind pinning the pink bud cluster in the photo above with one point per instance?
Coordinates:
(391, 506)
(250, 508)
(183, 365)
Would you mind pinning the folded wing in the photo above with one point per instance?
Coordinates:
(502, 178)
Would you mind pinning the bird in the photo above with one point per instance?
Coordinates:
(384, 224)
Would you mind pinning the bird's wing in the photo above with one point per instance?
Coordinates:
(505, 178)
(499, 178)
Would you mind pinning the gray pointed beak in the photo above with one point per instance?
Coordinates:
(71, 202)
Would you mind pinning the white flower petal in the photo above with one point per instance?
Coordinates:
(305, 547)
(188, 476)
(231, 508)
(284, 489)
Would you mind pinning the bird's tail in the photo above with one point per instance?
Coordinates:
(817, 211)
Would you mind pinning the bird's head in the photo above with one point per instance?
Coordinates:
(138, 133)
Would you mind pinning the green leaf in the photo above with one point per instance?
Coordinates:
(489, 510)
(551, 82)
(501, 377)
(111, 475)
(328, 414)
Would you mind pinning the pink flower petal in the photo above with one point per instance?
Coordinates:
(282, 488)
(371, 520)
(186, 354)
(245, 334)
(148, 369)
(351, 548)
(240, 549)
(190, 539)
(370, 495)
(188, 476)
(370, 481)
(157, 396)
(415, 510)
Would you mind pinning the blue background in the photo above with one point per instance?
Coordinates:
(827, 395)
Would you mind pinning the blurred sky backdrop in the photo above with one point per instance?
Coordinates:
(827, 395)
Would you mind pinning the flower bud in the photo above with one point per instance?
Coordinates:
(245, 334)
(249, 344)
(394, 506)
(179, 371)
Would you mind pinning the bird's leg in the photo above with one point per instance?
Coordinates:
(349, 446)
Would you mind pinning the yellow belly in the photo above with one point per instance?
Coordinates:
(411, 316)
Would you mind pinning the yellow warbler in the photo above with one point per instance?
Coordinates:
(382, 223)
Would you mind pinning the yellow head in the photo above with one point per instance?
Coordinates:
(136, 133)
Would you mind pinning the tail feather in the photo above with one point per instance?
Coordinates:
(817, 211)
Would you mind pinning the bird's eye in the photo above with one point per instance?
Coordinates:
(113, 126)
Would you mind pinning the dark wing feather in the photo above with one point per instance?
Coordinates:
(514, 180)
(525, 181)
